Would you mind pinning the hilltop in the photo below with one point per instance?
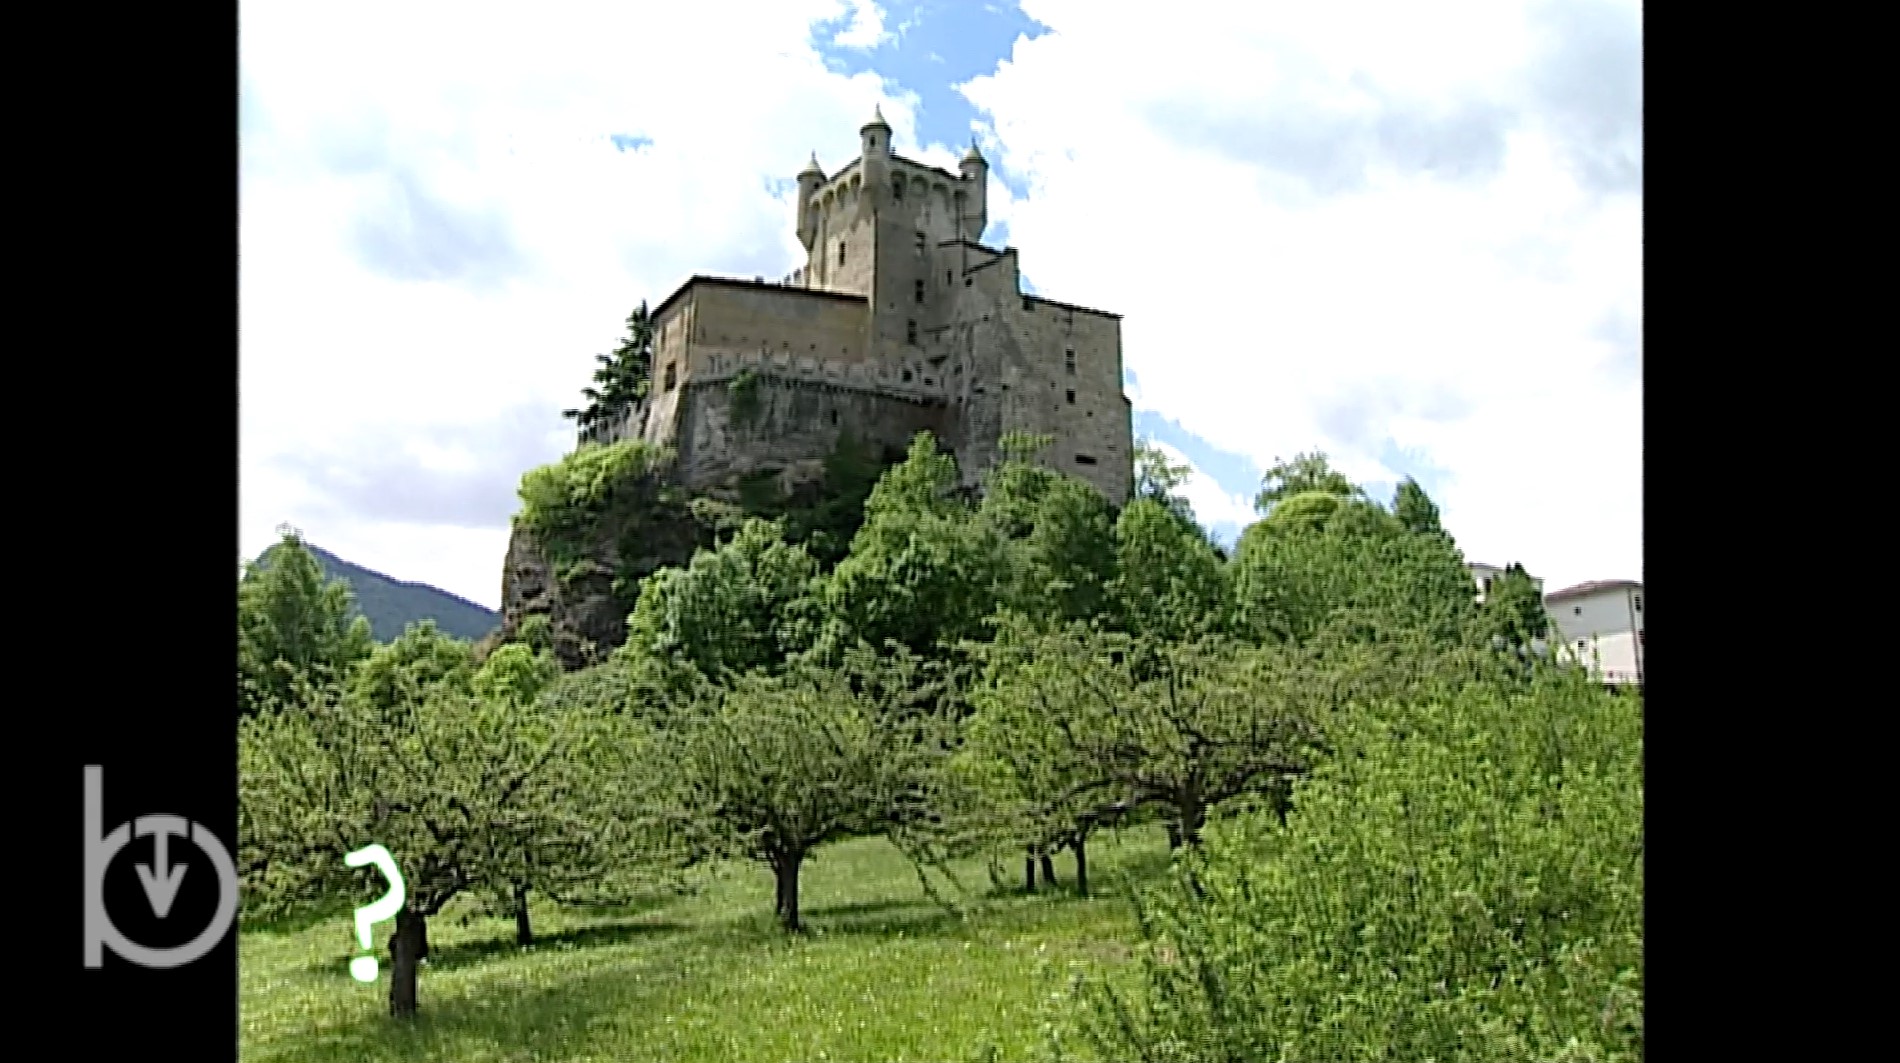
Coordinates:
(392, 604)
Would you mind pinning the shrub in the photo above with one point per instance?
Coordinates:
(1462, 881)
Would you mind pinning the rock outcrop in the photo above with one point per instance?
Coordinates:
(587, 582)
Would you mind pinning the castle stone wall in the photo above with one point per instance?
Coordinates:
(793, 426)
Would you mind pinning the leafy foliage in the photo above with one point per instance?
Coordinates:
(1463, 881)
(745, 606)
(1169, 582)
(1304, 474)
(771, 768)
(921, 573)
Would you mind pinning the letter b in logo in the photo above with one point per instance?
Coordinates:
(160, 879)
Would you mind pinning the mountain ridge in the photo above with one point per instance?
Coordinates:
(391, 604)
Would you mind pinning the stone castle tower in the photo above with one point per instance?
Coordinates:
(900, 321)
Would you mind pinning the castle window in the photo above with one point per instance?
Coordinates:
(672, 375)
(906, 376)
(897, 190)
(1068, 360)
(920, 291)
(841, 252)
(920, 243)
(967, 281)
(1071, 396)
(1028, 304)
(834, 417)
(1084, 459)
(910, 332)
(948, 276)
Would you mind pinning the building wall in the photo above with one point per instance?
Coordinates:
(794, 425)
(1613, 657)
(1612, 617)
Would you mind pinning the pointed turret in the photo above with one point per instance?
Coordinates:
(976, 181)
(876, 134)
(809, 181)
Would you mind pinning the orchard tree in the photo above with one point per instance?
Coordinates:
(1180, 725)
(449, 781)
(773, 768)
(295, 630)
(1016, 782)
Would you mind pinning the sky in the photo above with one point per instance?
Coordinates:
(1407, 236)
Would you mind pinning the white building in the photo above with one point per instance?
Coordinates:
(1601, 624)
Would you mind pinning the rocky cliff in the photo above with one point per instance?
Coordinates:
(601, 520)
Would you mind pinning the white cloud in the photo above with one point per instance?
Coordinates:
(866, 28)
(1327, 230)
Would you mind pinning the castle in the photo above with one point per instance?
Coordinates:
(900, 321)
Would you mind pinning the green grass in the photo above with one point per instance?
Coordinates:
(884, 974)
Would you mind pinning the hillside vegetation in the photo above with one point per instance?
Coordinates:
(1017, 776)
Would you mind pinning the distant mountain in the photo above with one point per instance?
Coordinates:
(392, 605)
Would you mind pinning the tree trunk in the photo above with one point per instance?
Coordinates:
(524, 930)
(1029, 873)
(1081, 848)
(405, 951)
(422, 941)
(1193, 818)
(785, 871)
(1174, 835)
(1048, 868)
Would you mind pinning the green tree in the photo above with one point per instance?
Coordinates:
(1159, 479)
(747, 605)
(622, 378)
(450, 782)
(1184, 726)
(1056, 533)
(1462, 880)
(1323, 558)
(1415, 509)
(1306, 472)
(1513, 614)
(295, 631)
(1169, 581)
(921, 572)
(772, 768)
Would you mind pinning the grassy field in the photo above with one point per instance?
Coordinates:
(884, 974)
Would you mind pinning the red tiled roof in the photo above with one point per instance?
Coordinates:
(1592, 587)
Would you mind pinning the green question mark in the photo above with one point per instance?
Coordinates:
(363, 968)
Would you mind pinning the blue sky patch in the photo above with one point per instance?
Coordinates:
(931, 47)
(630, 141)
